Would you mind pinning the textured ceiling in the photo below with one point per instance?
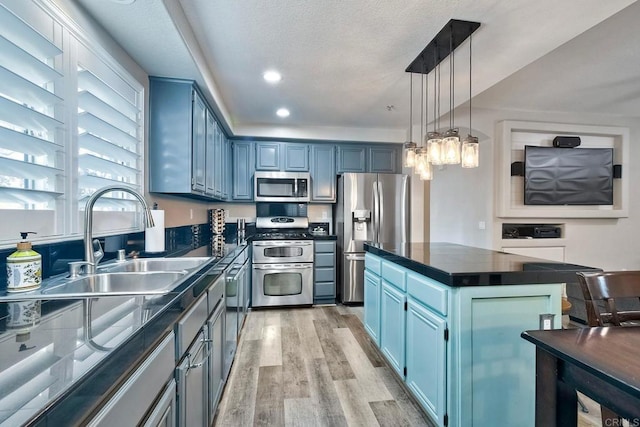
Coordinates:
(343, 61)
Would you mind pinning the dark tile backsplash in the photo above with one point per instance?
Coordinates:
(56, 256)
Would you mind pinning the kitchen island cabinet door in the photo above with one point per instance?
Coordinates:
(426, 356)
(372, 288)
(392, 326)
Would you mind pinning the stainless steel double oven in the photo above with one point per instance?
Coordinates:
(282, 262)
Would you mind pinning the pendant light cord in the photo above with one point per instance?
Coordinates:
(411, 107)
(435, 91)
(470, 84)
(421, 99)
(451, 80)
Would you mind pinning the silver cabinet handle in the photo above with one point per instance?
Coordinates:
(355, 257)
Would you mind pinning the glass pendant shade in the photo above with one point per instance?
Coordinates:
(421, 160)
(451, 144)
(426, 172)
(409, 157)
(470, 152)
(434, 147)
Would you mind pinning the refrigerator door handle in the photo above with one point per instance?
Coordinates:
(376, 212)
(380, 210)
(355, 257)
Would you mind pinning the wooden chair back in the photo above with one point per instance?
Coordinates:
(606, 288)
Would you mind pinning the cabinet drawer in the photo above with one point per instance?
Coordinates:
(395, 275)
(373, 263)
(428, 292)
(325, 260)
(325, 274)
(132, 400)
(325, 246)
(327, 289)
(215, 293)
(189, 325)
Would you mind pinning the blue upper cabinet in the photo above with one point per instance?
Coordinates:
(368, 158)
(242, 171)
(172, 149)
(323, 173)
(352, 158)
(268, 156)
(296, 157)
(384, 160)
(210, 173)
(199, 143)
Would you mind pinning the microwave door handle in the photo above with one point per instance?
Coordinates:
(295, 187)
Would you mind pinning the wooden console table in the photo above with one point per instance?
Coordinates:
(601, 363)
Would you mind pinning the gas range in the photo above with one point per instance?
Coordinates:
(282, 228)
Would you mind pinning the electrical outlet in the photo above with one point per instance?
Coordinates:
(482, 225)
(190, 213)
(546, 321)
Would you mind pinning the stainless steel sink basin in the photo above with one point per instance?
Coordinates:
(157, 264)
(116, 283)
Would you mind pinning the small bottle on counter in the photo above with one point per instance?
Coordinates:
(24, 267)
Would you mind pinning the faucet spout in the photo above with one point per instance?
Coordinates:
(89, 256)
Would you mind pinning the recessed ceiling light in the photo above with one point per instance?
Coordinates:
(283, 112)
(272, 76)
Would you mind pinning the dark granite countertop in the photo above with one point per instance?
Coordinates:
(50, 376)
(458, 265)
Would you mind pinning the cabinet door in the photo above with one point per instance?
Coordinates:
(372, 287)
(296, 157)
(268, 156)
(224, 166)
(242, 173)
(392, 324)
(199, 141)
(352, 158)
(323, 173)
(383, 160)
(427, 359)
(164, 413)
(211, 161)
(219, 163)
(216, 359)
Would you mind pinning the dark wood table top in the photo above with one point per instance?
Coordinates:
(610, 353)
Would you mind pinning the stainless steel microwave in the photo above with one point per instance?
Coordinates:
(281, 187)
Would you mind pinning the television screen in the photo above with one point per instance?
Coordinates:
(568, 176)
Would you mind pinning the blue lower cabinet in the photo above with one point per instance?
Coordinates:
(392, 324)
(372, 288)
(426, 358)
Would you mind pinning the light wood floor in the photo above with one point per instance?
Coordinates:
(312, 367)
(317, 367)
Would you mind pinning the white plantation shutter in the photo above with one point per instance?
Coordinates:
(109, 133)
(70, 123)
(31, 151)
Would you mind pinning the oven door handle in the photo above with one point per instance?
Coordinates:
(283, 266)
(283, 243)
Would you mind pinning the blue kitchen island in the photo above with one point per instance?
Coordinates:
(448, 319)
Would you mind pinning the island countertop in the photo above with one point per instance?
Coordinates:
(458, 265)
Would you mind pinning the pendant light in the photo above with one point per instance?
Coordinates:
(451, 141)
(409, 157)
(470, 146)
(424, 167)
(434, 139)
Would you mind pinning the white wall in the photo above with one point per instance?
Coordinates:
(461, 198)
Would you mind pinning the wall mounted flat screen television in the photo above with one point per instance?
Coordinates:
(568, 176)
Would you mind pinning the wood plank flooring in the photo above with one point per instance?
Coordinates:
(312, 367)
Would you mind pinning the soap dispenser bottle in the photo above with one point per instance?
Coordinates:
(24, 267)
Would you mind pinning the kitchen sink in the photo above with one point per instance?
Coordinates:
(116, 284)
(156, 264)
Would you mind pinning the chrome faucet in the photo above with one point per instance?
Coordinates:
(90, 262)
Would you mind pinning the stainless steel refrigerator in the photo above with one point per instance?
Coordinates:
(370, 207)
